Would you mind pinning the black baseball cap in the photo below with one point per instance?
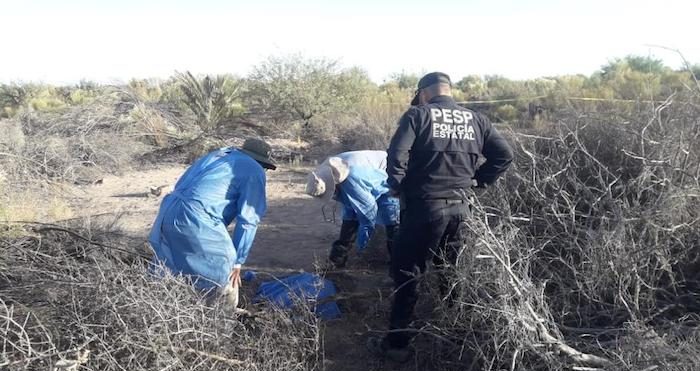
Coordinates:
(430, 79)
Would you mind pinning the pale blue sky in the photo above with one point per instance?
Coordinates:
(110, 40)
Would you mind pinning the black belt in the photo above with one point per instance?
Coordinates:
(448, 201)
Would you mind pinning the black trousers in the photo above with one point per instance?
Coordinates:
(429, 229)
(348, 233)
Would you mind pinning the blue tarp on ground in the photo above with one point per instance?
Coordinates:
(307, 286)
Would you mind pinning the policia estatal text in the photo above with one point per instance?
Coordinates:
(431, 165)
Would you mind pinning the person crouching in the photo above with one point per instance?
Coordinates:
(358, 181)
(190, 237)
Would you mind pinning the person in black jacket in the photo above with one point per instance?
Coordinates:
(431, 165)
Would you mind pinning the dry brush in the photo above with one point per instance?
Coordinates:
(68, 298)
(587, 255)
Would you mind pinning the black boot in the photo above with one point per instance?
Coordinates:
(339, 254)
(341, 247)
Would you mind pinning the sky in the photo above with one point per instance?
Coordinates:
(111, 41)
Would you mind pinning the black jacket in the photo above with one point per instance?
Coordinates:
(434, 152)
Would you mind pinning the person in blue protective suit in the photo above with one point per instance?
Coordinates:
(190, 236)
(357, 180)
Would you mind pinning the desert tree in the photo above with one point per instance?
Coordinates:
(293, 88)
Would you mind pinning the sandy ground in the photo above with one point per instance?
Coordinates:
(293, 236)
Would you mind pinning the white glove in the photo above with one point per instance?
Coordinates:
(230, 291)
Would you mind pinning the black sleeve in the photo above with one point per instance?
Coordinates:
(498, 155)
(397, 154)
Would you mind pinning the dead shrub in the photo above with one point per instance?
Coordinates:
(150, 124)
(370, 128)
(78, 144)
(585, 255)
(65, 299)
(13, 139)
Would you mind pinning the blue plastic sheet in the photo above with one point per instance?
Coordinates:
(249, 276)
(307, 286)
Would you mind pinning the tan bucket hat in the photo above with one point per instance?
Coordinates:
(260, 151)
(322, 181)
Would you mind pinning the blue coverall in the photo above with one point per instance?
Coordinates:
(364, 195)
(190, 234)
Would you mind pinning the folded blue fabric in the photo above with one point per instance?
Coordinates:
(249, 276)
(305, 286)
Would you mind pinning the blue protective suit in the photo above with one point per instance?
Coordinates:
(189, 235)
(364, 193)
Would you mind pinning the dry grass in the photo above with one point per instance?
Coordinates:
(589, 245)
(79, 144)
(584, 257)
(66, 301)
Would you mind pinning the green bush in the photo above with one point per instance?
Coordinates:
(12, 97)
(80, 97)
(146, 90)
(506, 113)
(211, 99)
(293, 88)
(46, 103)
(172, 95)
(473, 86)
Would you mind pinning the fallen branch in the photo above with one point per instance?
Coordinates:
(541, 329)
(216, 357)
(41, 227)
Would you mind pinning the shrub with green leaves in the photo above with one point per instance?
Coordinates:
(211, 99)
(146, 90)
(292, 88)
(506, 113)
